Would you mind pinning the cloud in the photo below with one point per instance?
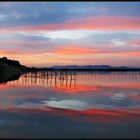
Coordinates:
(89, 23)
(68, 34)
(22, 13)
(2, 17)
(40, 47)
(74, 50)
(69, 31)
(31, 36)
(67, 104)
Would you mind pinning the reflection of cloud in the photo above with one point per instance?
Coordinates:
(106, 90)
(119, 42)
(118, 96)
(68, 104)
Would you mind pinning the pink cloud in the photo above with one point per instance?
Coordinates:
(134, 42)
(71, 49)
(94, 23)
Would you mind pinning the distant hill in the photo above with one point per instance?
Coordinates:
(88, 67)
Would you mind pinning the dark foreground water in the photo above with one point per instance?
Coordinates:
(71, 105)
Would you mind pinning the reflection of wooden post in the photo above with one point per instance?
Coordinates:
(66, 75)
(62, 78)
(70, 82)
(47, 74)
(75, 80)
(31, 78)
(47, 77)
(43, 77)
(66, 83)
(28, 77)
(36, 78)
(51, 79)
(55, 78)
(25, 78)
(71, 75)
(39, 77)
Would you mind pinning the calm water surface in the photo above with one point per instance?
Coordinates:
(71, 105)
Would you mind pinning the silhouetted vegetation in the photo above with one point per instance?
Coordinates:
(10, 62)
(10, 69)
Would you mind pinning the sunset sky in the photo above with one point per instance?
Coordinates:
(68, 33)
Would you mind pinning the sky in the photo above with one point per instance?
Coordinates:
(44, 34)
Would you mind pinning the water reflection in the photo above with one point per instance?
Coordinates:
(51, 78)
(71, 104)
(71, 79)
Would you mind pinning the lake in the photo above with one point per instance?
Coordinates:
(71, 105)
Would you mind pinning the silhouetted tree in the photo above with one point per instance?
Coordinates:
(10, 62)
